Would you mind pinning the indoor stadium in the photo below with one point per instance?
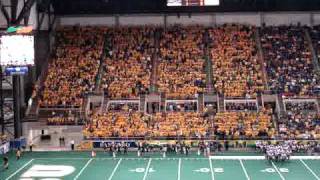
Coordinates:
(160, 89)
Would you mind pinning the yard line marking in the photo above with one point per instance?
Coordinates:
(275, 167)
(84, 167)
(244, 169)
(147, 169)
(179, 169)
(314, 174)
(211, 169)
(17, 171)
(115, 169)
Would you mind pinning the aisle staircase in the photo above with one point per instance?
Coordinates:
(105, 52)
(315, 60)
(281, 106)
(200, 102)
(261, 59)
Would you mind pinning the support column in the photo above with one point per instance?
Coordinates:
(1, 103)
(22, 93)
(17, 106)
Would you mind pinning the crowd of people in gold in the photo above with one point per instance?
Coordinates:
(181, 68)
(237, 72)
(74, 66)
(128, 65)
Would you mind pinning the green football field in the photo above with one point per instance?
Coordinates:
(79, 165)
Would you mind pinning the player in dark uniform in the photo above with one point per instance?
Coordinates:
(5, 163)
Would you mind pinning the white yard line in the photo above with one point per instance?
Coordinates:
(179, 169)
(211, 170)
(275, 167)
(17, 171)
(115, 169)
(313, 173)
(244, 169)
(84, 167)
(147, 169)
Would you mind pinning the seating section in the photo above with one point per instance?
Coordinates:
(173, 124)
(288, 60)
(74, 66)
(181, 61)
(181, 71)
(135, 124)
(116, 124)
(236, 71)
(301, 121)
(244, 124)
(128, 66)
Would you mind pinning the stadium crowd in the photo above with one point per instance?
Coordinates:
(236, 71)
(128, 64)
(288, 61)
(244, 124)
(301, 121)
(136, 124)
(74, 66)
(181, 68)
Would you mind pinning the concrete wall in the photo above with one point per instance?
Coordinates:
(85, 21)
(240, 18)
(193, 19)
(287, 18)
(141, 20)
(252, 18)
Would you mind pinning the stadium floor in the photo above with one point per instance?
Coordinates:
(79, 165)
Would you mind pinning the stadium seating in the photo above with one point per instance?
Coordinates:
(74, 66)
(236, 71)
(288, 60)
(244, 124)
(302, 121)
(117, 124)
(128, 66)
(181, 71)
(181, 74)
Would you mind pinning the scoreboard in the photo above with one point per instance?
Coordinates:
(17, 50)
(193, 2)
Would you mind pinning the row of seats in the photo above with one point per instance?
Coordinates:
(186, 124)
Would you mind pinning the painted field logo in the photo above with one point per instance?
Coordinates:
(46, 172)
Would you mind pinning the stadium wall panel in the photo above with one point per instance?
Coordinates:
(287, 18)
(242, 18)
(85, 21)
(193, 19)
(141, 20)
(252, 18)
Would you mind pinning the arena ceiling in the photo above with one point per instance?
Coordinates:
(72, 7)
